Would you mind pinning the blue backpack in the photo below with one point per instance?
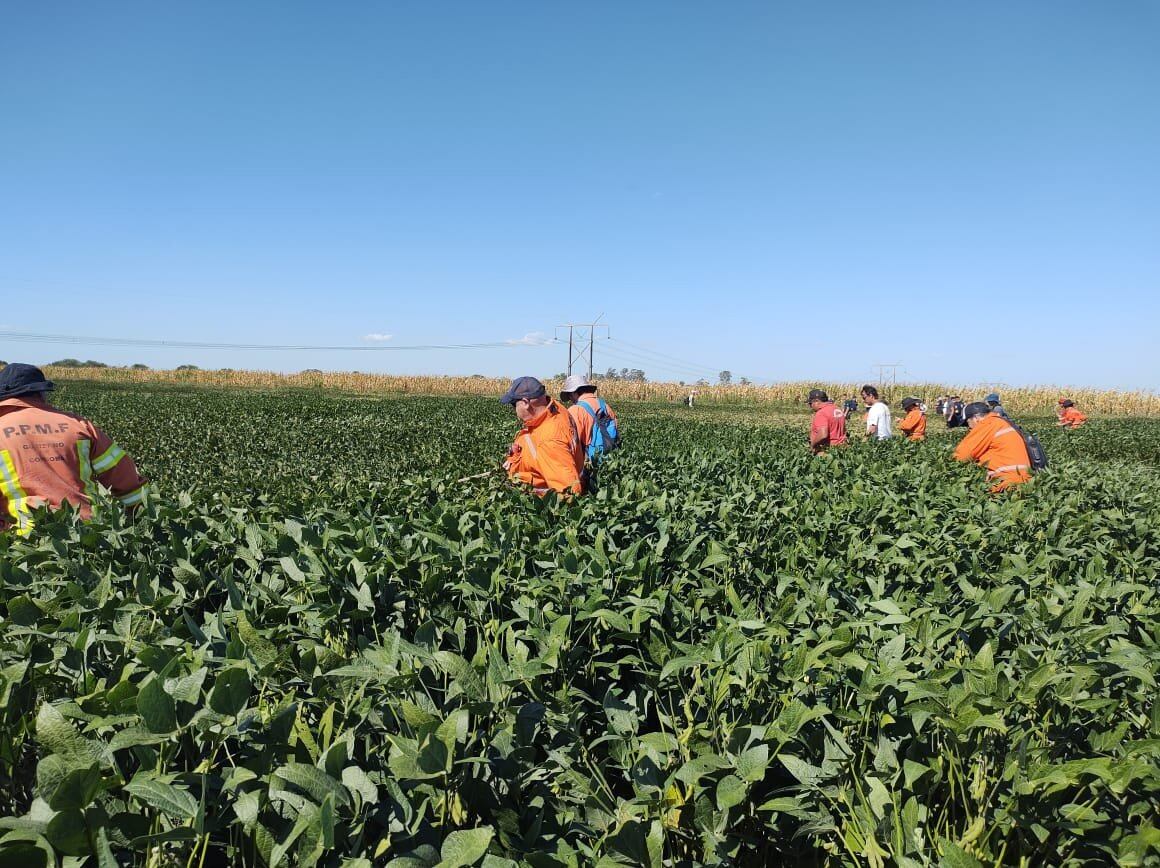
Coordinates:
(605, 435)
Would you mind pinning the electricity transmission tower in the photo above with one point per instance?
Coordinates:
(882, 366)
(578, 333)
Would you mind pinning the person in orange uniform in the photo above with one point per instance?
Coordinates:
(1069, 414)
(995, 444)
(828, 427)
(546, 454)
(578, 394)
(913, 425)
(49, 457)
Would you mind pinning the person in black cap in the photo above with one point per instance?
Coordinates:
(828, 427)
(546, 454)
(49, 457)
(996, 444)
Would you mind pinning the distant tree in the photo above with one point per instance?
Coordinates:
(745, 381)
(725, 378)
(188, 368)
(139, 367)
(77, 363)
(560, 376)
(702, 382)
(611, 374)
(634, 375)
(312, 371)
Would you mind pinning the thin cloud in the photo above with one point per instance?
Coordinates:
(531, 339)
(377, 337)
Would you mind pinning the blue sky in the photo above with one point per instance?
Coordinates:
(789, 191)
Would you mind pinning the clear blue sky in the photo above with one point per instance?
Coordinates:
(786, 190)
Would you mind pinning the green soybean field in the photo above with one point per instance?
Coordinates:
(317, 646)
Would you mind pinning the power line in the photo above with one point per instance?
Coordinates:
(685, 369)
(647, 351)
(684, 373)
(31, 338)
(618, 354)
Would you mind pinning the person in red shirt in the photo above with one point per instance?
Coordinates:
(829, 424)
(49, 457)
(1069, 414)
(914, 423)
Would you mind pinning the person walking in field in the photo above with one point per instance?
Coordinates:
(913, 425)
(953, 412)
(1069, 414)
(849, 406)
(596, 423)
(546, 453)
(877, 414)
(49, 457)
(996, 444)
(992, 401)
(828, 427)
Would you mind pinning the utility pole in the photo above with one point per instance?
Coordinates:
(578, 333)
(882, 366)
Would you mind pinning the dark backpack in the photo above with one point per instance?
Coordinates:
(605, 433)
(1035, 452)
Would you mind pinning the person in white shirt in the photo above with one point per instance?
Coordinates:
(877, 415)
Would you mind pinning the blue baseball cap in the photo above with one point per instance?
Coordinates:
(523, 387)
(19, 379)
(993, 398)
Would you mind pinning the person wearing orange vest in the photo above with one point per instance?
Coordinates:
(546, 453)
(49, 457)
(1069, 414)
(583, 405)
(995, 444)
(913, 425)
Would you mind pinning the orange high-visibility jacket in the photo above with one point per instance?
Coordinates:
(50, 457)
(1071, 417)
(996, 445)
(585, 421)
(914, 425)
(546, 453)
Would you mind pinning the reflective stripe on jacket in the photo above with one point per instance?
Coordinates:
(49, 457)
(999, 447)
(546, 453)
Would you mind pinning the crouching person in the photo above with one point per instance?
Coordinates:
(49, 457)
(546, 453)
(996, 445)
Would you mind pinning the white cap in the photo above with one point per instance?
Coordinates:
(574, 382)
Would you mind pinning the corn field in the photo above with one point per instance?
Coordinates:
(1026, 400)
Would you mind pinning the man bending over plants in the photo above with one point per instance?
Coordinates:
(49, 457)
(546, 453)
(996, 444)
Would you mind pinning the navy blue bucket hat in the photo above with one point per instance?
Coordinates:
(523, 387)
(19, 379)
